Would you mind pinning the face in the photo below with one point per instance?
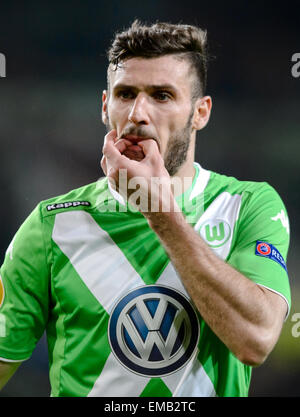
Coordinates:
(151, 98)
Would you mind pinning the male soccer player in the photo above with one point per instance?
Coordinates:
(164, 278)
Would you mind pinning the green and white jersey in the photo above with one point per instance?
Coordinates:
(119, 321)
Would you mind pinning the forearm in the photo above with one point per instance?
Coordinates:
(234, 307)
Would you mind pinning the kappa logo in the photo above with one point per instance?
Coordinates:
(68, 204)
(153, 331)
(215, 232)
(284, 220)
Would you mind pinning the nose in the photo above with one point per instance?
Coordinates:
(139, 111)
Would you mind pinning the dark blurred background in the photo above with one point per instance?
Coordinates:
(51, 133)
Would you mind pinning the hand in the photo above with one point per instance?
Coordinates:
(128, 165)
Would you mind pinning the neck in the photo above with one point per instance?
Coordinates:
(186, 172)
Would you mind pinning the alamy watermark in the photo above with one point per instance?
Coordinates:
(139, 194)
(296, 327)
(2, 66)
(295, 70)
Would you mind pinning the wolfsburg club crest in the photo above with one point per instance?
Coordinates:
(153, 330)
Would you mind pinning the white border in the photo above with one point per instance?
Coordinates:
(13, 360)
(281, 295)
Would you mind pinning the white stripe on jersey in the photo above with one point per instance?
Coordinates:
(128, 383)
(95, 257)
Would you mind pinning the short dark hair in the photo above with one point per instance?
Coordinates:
(152, 41)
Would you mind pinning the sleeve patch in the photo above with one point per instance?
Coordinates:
(267, 250)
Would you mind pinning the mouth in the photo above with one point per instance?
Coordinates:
(136, 139)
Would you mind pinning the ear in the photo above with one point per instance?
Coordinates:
(104, 107)
(202, 112)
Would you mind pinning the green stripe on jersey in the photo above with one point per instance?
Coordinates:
(79, 356)
(147, 257)
(156, 385)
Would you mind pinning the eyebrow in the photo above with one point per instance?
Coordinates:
(151, 87)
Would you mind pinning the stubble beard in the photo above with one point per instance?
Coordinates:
(178, 146)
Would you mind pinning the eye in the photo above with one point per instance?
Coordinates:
(125, 94)
(162, 96)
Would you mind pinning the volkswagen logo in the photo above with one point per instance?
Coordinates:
(153, 330)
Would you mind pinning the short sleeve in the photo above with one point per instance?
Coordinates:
(262, 240)
(24, 291)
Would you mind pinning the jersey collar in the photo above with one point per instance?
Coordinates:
(197, 187)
